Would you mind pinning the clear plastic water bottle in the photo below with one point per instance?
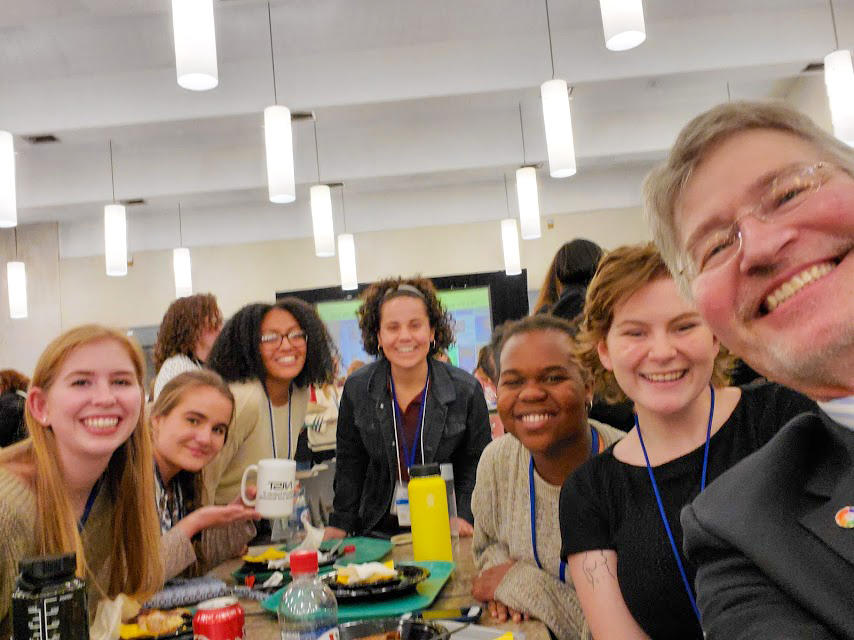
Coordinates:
(307, 610)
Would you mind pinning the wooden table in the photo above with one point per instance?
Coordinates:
(456, 593)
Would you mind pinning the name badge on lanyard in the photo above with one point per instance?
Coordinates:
(400, 504)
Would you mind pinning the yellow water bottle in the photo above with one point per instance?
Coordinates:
(428, 507)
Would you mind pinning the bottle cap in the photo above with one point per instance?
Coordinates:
(47, 569)
(422, 470)
(303, 561)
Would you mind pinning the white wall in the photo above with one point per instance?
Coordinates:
(246, 273)
(22, 340)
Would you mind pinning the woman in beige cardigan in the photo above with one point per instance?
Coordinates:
(543, 399)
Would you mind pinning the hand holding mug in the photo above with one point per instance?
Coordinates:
(276, 479)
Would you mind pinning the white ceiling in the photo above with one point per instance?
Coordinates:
(416, 104)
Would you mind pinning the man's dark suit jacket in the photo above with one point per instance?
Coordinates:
(772, 561)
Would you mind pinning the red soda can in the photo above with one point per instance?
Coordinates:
(218, 619)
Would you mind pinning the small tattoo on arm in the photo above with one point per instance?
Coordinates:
(595, 562)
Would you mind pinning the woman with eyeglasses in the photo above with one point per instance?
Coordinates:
(406, 408)
(619, 512)
(269, 355)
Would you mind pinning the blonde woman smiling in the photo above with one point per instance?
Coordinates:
(189, 426)
(82, 482)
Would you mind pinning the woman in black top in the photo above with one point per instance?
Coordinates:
(405, 408)
(619, 513)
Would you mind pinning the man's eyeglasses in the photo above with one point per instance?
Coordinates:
(779, 198)
(273, 339)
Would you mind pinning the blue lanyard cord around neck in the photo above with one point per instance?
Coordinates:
(273, 420)
(594, 449)
(673, 548)
(93, 494)
(397, 417)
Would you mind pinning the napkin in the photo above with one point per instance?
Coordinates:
(109, 616)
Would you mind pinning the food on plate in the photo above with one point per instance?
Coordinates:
(366, 573)
(157, 622)
(268, 554)
(386, 635)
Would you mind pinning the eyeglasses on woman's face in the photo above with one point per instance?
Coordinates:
(716, 245)
(273, 339)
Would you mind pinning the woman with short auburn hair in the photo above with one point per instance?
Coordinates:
(619, 512)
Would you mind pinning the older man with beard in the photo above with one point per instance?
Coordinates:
(754, 213)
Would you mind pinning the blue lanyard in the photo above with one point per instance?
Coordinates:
(88, 508)
(273, 422)
(594, 449)
(685, 582)
(409, 455)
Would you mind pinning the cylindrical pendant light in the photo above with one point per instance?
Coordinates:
(16, 280)
(183, 272)
(347, 262)
(280, 154)
(839, 80)
(529, 202)
(8, 200)
(195, 44)
(558, 123)
(510, 245)
(623, 24)
(321, 221)
(115, 240)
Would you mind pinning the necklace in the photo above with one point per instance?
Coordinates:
(663, 515)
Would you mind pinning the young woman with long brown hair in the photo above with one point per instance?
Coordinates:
(83, 481)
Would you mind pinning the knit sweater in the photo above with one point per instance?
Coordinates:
(502, 533)
(250, 438)
(205, 550)
(18, 540)
(172, 367)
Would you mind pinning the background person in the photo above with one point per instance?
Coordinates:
(562, 292)
(189, 425)
(13, 397)
(403, 409)
(82, 482)
(543, 398)
(754, 212)
(642, 339)
(269, 355)
(185, 337)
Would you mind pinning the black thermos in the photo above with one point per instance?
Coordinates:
(49, 601)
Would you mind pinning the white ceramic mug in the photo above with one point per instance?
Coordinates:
(275, 487)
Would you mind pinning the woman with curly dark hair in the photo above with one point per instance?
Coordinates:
(186, 335)
(403, 409)
(269, 355)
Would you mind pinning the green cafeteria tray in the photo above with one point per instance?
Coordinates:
(423, 597)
